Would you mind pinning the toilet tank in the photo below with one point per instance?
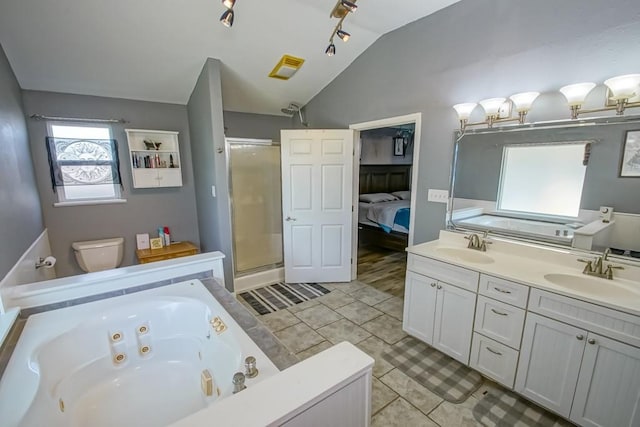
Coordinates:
(98, 255)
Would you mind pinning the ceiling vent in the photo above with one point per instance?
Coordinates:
(286, 67)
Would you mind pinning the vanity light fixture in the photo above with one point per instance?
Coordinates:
(340, 11)
(522, 103)
(576, 94)
(492, 109)
(227, 16)
(620, 90)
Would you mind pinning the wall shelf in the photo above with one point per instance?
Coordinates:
(154, 168)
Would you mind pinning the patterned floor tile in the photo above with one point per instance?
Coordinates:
(386, 328)
(304, 305)
(349, 288)
(410, 390)
(312, 351)
(318, 316)
(374, 347)
(336, 299)
(449, 414)
(400, 413)
(393, 307)
(344, 330)
(359, 312)
(298, 337)
(369, 295)
(279, 320)
(381, 396)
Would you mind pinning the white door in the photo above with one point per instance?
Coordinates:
(419, 306)
(608, 391)
(454, 321)
(317, 172)
(550, 362)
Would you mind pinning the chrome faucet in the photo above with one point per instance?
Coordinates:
(595, 267)
(476, 243)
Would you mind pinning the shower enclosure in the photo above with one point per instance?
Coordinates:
(256, 205)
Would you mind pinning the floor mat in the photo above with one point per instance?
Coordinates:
(282, 295)
(444, 376)
(506, 409)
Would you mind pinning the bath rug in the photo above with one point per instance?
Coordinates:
(436, 371)
(501, 408)
(279, 296)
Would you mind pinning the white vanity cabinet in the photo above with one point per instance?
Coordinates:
(439, 308)
(154, 157)
(584, 376)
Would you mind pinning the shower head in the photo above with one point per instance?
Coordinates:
(291, 109)
(294, 108)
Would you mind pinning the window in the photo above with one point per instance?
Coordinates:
(556, 192)
(84, 163)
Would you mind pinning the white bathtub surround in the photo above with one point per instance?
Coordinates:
(68, 359)
(90, 284)
(256, 280)
(332, 388)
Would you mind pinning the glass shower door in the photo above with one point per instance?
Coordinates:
(256, 205)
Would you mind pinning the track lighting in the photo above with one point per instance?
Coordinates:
(228, 3)
(227, 18)
(344, 36)
(351, 7)
(331, 49)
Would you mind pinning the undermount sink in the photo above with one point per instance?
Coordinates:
(592, 285)
(468, 255)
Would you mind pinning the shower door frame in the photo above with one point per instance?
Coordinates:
(228, 141)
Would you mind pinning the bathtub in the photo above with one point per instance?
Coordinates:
(523, 227)
(144, 359)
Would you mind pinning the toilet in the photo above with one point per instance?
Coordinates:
(98, 255)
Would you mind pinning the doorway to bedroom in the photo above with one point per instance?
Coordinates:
(384, 167)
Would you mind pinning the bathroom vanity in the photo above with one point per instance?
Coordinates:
(525, 316)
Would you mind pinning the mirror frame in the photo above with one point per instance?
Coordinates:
(560, 124)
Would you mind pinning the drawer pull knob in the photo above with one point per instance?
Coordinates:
(499, 312)
(502, 291)
(439, 286)
(580, 337)
(433, 285)
(493, 351)
(591, 341)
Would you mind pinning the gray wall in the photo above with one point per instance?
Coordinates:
(207, 130)
(145, 210)
(376, 148)
(480, 161)
(20, 213)
(472, 50)
(255, 126)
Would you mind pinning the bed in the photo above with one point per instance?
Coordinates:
(384, 223)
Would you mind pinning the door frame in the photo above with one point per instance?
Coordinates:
(416, 119)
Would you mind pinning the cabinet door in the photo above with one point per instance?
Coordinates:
(169, 177)
(608, 391)
(145, 178)
(550, 362)
(453, 326)
(419, 306)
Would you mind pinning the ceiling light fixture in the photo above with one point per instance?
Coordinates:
(340, 11)
(227, 16)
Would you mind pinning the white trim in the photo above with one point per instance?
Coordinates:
(253, 281)
(153, 131)
(415, 118)
(89, 202)
(6, 322)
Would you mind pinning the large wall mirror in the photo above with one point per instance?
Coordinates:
(569, 183)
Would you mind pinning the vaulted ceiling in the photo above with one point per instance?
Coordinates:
(154, 49)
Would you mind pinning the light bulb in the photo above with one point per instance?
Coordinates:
(331, 50)
(344, 36)
(227, 18)
(228, 3)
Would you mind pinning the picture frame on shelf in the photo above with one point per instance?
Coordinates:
(398, 146)
(630, 160)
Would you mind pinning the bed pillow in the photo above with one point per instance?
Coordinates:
(402, 195)
(377, 197)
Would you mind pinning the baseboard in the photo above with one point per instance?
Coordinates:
(256, 280)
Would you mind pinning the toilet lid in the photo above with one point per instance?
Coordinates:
(94, 244)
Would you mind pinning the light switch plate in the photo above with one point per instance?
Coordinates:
(438, 196)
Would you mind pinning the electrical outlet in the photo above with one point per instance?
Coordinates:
(213, 191)
(438, 196)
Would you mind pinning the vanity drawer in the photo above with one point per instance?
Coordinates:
(504, 290)
(611, 323)
(495, 360)
(499, 321)
(454, 275)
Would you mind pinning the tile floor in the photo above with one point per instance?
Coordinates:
(371, 320)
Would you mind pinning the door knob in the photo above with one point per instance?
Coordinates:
(580, 337)
(290, 219)
(591, 341)
(433, 285)
(439, 286)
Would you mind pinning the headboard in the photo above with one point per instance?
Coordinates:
(384, 178)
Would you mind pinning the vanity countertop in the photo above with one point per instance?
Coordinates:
(528, 264)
